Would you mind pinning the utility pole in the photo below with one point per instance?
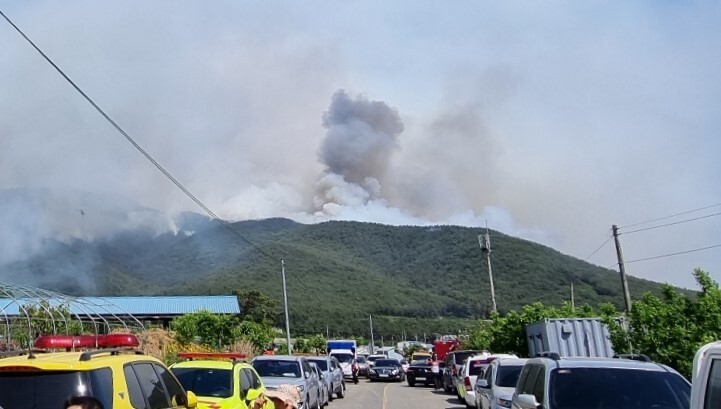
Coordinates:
(373, 342)
(285, 302)
(485, 242)
(622, 270)
(573, 301)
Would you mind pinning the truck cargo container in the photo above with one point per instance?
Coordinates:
(570, 337)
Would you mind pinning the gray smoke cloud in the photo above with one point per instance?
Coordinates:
(549, 121)
(357, 149)
(361, 137)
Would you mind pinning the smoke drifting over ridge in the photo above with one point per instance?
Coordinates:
(360, 139)
(550, 121)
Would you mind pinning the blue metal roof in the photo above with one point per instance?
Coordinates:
(140, 306)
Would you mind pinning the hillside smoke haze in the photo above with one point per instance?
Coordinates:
(550, 122)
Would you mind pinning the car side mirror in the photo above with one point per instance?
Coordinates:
(192, 400)
(307, 374)
(482, 383)
(252, 394)
(526, 401)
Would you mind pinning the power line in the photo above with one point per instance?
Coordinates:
(671, 216)
(599, 248)
(136, 145)
(673, 224)
(675, 254)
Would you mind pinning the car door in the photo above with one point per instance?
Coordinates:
(487, 393)
(312, 381)
(337, 373)
(153, 393)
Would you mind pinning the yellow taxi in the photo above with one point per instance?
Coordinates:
(220, 380)
(106, 367)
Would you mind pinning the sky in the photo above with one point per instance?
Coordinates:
(547, 120)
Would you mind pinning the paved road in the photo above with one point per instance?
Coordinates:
(377, 395)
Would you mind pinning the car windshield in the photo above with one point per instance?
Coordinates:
(475, 367)
(386, 362)
(361, 360)
(322, 363)
(205, 381)
(507, 375)
(50, 389)
(278, 369)
(374, 358)
(420, 362)
(344, 358)
(617, 388)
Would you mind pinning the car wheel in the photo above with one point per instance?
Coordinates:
(330, 393)
(341, 394)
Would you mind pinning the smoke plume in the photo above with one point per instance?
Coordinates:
(361, 136)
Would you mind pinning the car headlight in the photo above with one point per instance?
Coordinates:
(394, 372)
(374, 372)
(503, 403)
(300, 388)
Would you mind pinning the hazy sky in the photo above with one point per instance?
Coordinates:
(551, 120)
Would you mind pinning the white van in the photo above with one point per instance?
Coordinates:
(706, 377)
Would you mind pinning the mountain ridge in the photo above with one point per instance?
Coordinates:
(339, 272)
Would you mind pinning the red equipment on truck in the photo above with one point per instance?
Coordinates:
(441, 347)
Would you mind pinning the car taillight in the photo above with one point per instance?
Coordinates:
(467, 382)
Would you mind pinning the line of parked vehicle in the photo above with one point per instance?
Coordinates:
(483, 380)
(234, 384)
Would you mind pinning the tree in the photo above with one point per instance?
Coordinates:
(206, 328)
(260, 335)
(257, 307)
(318, 343)
(670, 328)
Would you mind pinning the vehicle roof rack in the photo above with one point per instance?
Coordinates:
(88, 355)
(231, 356)
(635, 357)
(20, 352)
(547, 354)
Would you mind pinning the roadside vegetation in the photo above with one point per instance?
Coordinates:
(668, 328)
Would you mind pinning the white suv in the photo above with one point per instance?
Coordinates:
(706, 377)
(599, 383)
(469, 372)
(494, 388)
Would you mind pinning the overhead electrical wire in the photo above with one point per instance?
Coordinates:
(673, 254)
(673, 223)
(671, 216)
(598, 249)
(137, 146)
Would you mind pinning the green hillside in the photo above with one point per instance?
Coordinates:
(411, 279)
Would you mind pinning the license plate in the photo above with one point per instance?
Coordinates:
(383, 375)
(420, 379)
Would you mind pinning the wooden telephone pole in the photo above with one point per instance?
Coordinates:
(485, 242)
(622, 270)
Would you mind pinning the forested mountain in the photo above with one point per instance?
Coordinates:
(409, 278)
